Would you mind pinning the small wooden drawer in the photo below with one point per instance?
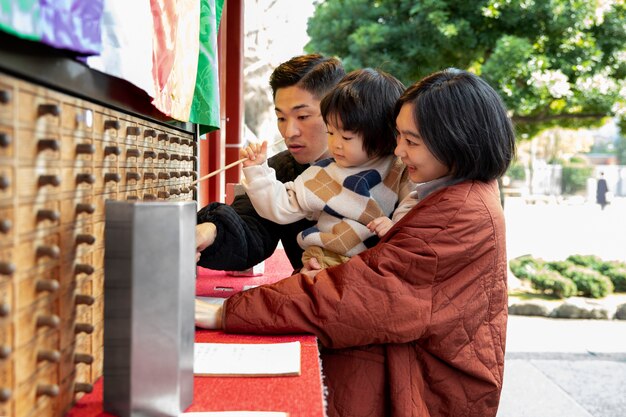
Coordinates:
(77, 151)
(40, 252)
(37, 395)
(77, 209)
(32, 357)
(34, 147)
(40, 111)
(76, 117)
(39, 181)
(38, 319)
(7, 140)
(7, 181)
(7, 99)
(31, 288)
(7, 224)
(106, 126)
(38, 216)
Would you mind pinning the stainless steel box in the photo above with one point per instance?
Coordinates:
(149, 291)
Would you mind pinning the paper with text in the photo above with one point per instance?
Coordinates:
(257, 359)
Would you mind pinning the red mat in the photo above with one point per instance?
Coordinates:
(212, 283)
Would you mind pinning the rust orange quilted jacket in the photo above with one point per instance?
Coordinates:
(416, 325)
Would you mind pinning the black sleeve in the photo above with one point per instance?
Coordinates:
(243, 237)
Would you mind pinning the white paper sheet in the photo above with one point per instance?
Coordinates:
(255, 359)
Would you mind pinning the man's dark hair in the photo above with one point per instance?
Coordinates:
(363, 102)
(313, 73)
(463, 122)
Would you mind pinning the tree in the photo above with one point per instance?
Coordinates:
(554, 62)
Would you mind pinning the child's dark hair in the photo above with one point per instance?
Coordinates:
(363, 102)
(313, 73)
(463, 122)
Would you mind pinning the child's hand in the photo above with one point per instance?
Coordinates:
(256, 154)
(380, 225)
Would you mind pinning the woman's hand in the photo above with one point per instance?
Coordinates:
(256, 154)
(205, 236)
(208, 316)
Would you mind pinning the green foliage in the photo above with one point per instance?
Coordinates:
(559, 266)
(618, 278)
(590, 261)
(552, 61)
(516, 171)
(574, 178)
(551, 282)
(525, 267)
(590, 282)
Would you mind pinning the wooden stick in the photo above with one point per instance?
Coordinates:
(224, 168)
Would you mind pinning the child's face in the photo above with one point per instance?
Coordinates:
(421, 163)
(346, 146)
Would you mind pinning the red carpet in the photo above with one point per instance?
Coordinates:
(212, 283)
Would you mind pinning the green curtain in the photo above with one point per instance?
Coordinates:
(205, 108)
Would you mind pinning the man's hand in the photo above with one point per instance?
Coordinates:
(205, 236)
(311, 268)
(256, 154)
(380, 225)
(208, 316)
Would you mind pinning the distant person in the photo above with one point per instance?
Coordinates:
(416, 325)
(361, 181)
(601, 190)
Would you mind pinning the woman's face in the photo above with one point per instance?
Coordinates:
(301, 124)
(421, 163)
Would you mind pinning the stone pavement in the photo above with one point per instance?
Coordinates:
(564, 368)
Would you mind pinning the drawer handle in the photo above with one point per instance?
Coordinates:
(175, 157)
(163, 194)
(112, 177)
(85, 149)
(111, 124)
(163, 155)
(5, 140)
(46, 214)
(53, 180)
(85, 179)
(5, 351)
(5, 226)
(84, 299)
(47, 285)
(83, 358)
(7, 268)
(163, 137)
(175, 174)
(4, 182)
(149, 133)
(150, 176)
(83, 387)
(84, 269)
(133, 131)
(174, 139)
(51, 321)
(130, 176)
(174, 191)
(185, 190)
(5, 96)
(48, 251)
(47, 390)
(149, 197)
(53, 356)
(185, 142)
(132, 153)
(5, 310)
(112, 150)
(5, 395)
(85, 239)
(85, 208)
(164, 176)
(149, 155)
(48, 109)
(48, 144)
(83, 328)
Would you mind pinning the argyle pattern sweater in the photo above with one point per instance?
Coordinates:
(342, 200)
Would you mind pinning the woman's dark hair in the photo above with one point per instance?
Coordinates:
(313, 73)
(363, 102)
(463, 122)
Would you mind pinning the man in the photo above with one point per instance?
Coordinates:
(235, 237)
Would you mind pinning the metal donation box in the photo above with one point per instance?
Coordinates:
(149, 291)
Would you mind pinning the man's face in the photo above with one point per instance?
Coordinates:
(301, 124)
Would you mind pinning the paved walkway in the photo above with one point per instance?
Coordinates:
(564, 368)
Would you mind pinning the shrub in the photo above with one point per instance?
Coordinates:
(574, 178)
(590, 261)
(590, 282)
(552, 282)
(604, 266)
(617, 276)
(516, 171)
(525, 267)
(559, 266)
